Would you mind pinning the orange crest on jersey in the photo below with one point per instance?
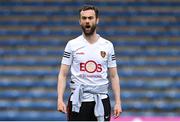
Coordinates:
(103, 54)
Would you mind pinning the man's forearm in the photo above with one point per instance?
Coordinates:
(116, 89)
(62, 81)
(61, 87)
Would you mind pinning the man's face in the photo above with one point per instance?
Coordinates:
(88, 21)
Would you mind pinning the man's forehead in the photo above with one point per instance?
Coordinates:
(88, 13)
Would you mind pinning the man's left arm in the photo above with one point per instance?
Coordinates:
(113, 75)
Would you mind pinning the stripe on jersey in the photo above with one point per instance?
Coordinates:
(66, 54)
(113, 57)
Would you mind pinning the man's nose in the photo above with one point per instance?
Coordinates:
(87, 20)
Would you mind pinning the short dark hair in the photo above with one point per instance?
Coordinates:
(89, 7)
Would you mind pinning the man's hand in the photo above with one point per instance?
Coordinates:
(61, 107)
(117, 110)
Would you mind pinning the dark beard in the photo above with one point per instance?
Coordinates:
(93, 28)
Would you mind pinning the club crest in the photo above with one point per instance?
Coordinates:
(103, 54)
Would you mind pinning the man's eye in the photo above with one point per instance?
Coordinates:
(90, 17)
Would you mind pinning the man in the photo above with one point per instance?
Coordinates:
(91, 58)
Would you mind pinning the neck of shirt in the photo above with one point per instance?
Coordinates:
(92, 39)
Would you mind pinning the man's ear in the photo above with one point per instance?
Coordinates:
(79, 22)
(97, 21)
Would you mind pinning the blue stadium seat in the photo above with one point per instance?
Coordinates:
(149, 63)
(32, 43)
(155, 95)
(137, 106)
(147, 85)
(39, 33)
(145, 95)
(38, 23)
(72, 23)
(76, 33)
(29, 73)
(140, 24)
(176, 84)
(73, 13)
(159, 74)
(173, 95)
(29, 105)
(4, 104)
(132, 95)
(146, 43)
(28, 84)
(133, 84)
(29, 62)
(32, 116)
(148, 53)
(163, 106)
(100, 4)
(32, 52)
(31, 94)
(140, 106)
(35, 105)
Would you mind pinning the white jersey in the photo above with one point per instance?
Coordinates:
(89, 62)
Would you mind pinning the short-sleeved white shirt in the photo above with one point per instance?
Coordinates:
(89, 62)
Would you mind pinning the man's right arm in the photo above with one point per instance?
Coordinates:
(61, 87)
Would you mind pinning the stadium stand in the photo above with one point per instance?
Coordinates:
(33, 34)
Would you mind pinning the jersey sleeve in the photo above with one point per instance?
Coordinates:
(67, 56)
(111, 57)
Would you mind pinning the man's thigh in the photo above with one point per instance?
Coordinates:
(87, 111)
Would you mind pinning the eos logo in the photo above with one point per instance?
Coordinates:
(90, 67)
